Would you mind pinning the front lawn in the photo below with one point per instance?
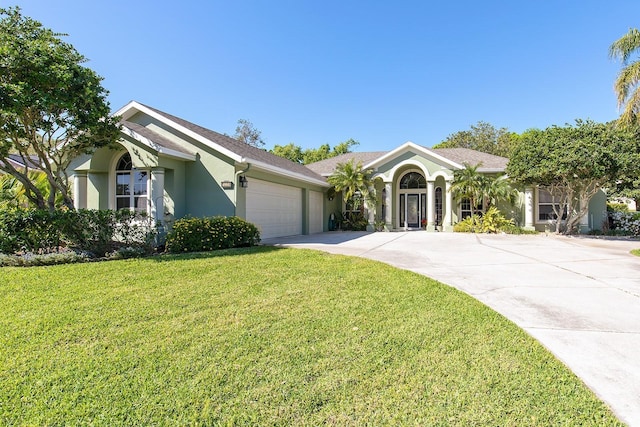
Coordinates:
(266, 336)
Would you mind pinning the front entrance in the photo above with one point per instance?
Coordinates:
(413, 200)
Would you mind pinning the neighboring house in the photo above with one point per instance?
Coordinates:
(18, 162)
(171, 168)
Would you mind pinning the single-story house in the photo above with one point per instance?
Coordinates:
(171, 168)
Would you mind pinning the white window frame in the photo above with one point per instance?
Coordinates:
(133, 198)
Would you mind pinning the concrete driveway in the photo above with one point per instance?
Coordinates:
(578, 296)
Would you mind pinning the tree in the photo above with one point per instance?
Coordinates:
(482, 137)
(572, 163)
(626, 85)
(290, 151)
(627, 182)
(246, 132)
(311, 155)
(51, 106)
(468, 183)
(355, 184)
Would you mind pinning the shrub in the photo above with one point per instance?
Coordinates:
(212, 233)
(95, 231)
(29, 259)
(617, 207)
(493, 221)
(625, 223)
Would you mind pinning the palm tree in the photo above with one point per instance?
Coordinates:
(498, 189)
(354, 183)
(626, 85)
(470, 184)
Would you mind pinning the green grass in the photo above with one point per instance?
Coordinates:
(266, 336)
(635, 252)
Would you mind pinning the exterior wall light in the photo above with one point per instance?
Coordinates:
(227, 185)
(244, 183)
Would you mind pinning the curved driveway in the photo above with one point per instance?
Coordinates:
(578, 296)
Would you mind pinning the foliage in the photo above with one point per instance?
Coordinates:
(246, 132)
(354, 221)
(95, 231)
(355, 183)
(212, 233)
(266, 336)
(30, 259)
(626, 182)
(617, 207)
(482, 137)
(311, 155)
(626, 223)
(493, 221)
(51, 106)
(626, 84)
(13, 192)
(470, 184)
(571, 162)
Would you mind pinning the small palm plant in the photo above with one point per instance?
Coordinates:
(356, 185)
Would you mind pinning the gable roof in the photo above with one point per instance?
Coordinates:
(457, 157)
(18, 162)
(155, 141)
(230, 147)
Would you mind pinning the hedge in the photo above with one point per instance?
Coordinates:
(211, 233)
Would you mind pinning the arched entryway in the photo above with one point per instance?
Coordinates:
(412, 200)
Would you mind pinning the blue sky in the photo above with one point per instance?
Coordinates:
(380, 72)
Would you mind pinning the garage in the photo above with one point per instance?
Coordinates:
(315, 212)
(275, 208)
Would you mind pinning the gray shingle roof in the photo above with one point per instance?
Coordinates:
(460, 156)
(241, 149)
(489, 162)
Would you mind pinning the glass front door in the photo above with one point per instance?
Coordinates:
(413, 209)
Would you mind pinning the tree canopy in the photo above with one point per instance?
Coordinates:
(627, 83)
(483, 137)
(51, 106)
(571, 162)
(246, 132)
(311, 155)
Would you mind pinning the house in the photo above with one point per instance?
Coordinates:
(171, 168)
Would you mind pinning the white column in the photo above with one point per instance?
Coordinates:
(157, 194)
(80, 190)
(388, 203)
(431, 215)
(528, 208)
(448, 210)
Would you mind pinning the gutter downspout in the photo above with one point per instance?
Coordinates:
(235, 189)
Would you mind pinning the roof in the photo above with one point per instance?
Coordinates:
(327, 166)
(18, 162)
(488, 162)
(157, 139)
(246, 152)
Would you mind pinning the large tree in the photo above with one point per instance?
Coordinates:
(572, 163)
(311, 155)
(246, 132)
(626, 85)
(483, 137)
(51, 106)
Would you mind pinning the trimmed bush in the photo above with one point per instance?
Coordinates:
(211, 233)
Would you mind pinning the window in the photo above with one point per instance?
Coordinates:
(413, 180)
(438, 206)
(465, 208)
(131, 185)
(546, 205)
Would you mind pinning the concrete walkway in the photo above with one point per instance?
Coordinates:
(578, 296)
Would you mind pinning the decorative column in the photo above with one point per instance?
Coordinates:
(80, 190)
(448, 210)
(431, 215)
(528, 209)
(388, 219)
(157, 194)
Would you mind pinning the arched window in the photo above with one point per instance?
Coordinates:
(131, 185)
(413, 180)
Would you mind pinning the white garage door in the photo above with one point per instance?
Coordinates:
(315, 212)
(276, 209)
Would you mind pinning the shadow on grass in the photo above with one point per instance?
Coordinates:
(165, 257)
